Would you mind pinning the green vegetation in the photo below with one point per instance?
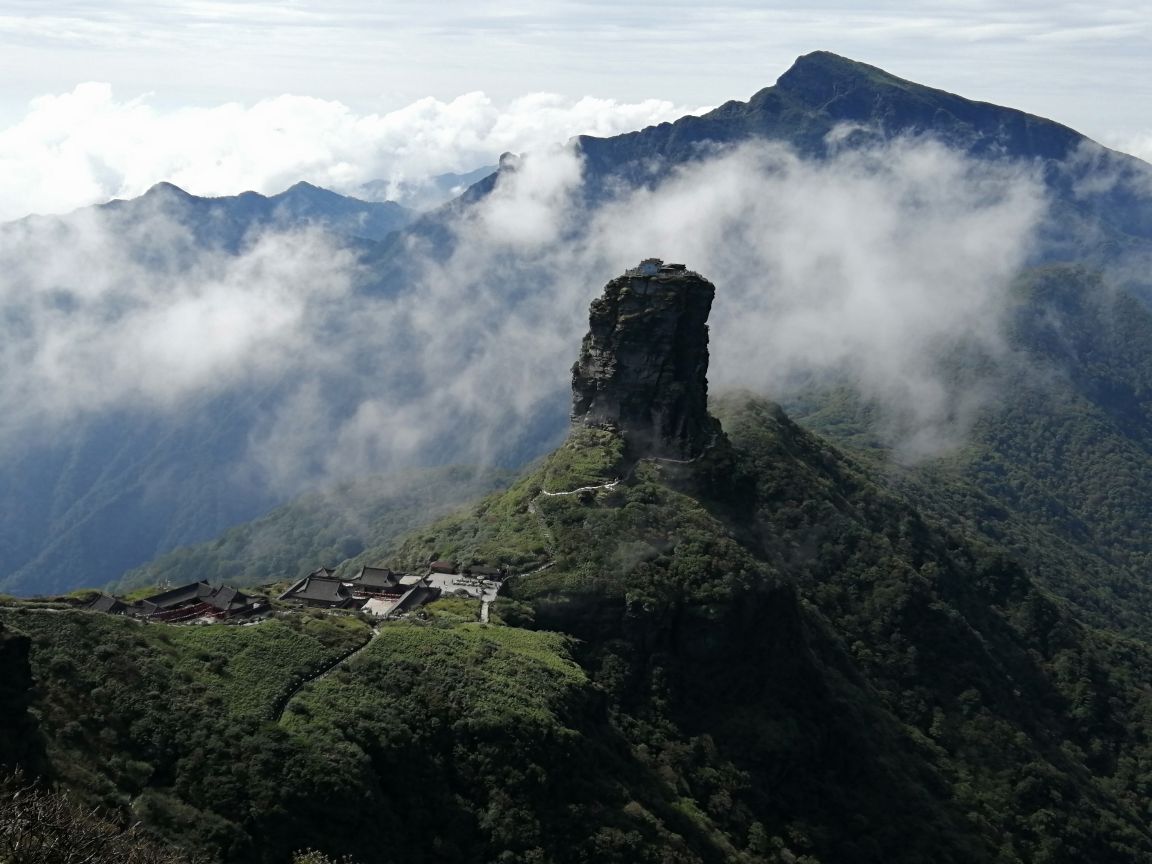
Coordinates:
(782, 652)
(505, 527)
(453, 609)
(250, 667)
(502, 675)
(508, 744)
(939, 649)
(169, 721)
(319, 529)
(1055, 468)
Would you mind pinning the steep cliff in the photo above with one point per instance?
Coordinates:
(18, 743)
(643, 366)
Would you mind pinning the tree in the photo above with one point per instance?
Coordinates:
(40, 826)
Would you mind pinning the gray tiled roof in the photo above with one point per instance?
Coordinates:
(319, 589)
(376, 577)
(176, 596)
(104, 603)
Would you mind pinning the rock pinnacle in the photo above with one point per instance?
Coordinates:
(643, 367)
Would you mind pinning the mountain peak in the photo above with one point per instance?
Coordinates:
(304, 189)
(821, 78)
(825, 63)
(166, 188)
(643, 366)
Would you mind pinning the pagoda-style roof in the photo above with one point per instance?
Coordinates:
(108, 604)
(376, 578)
(174, 597)
(320, 589)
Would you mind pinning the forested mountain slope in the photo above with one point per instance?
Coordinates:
(1056, 464)
(773, 654)
(732, 641)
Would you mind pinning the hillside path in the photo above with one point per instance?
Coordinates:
(278, 710)
(611, 485)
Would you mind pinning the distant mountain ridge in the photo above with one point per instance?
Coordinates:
(826, 103)
(822, 91)
(226, 220)
(112, 491)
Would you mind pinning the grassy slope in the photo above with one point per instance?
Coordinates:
(320, 529)
(436, 743)
(507, 742)
(170, 720)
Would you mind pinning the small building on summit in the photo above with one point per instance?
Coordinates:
(656, 267)
(647, 267)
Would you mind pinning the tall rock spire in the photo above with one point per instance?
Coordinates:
(643, 366)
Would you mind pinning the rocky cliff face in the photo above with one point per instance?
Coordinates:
(643, 366)
(18, 743)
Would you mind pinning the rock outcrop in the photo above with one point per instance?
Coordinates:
(643, 366)
(19, 744)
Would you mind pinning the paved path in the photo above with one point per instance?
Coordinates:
(550, 538)
(281, 706)
(611, 485)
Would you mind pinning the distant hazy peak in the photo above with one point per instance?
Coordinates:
(303, 187)
(309, 191)
(166, 188)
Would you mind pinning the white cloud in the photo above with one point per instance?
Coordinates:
(94, 319)
(1054, 59)
(86, 146)
(872, 265)
(1137, 144)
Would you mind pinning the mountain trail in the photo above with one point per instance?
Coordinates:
(277, 712)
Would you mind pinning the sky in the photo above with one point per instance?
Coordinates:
(101, 100)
